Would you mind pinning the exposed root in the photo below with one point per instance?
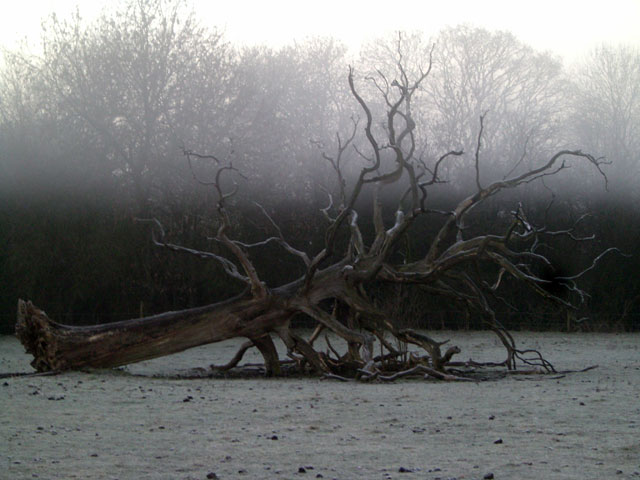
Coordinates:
(578, 371)
(330, 347)
(536, 361)
(235, 360)
(356, 363)
(418, 370)
(29, 374)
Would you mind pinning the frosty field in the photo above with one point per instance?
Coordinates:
(141, 422)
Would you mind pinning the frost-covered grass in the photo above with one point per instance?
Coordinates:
(120, 425)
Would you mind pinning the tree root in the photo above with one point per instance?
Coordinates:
(235, 360)
(387, 366)
(427, 372)
(30, 374)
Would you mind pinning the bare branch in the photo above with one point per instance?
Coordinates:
(519, 162)
(325, 211)
(257, 286)
(594, 263)
(466, 205)
(477, 155)
(336, 163)
(228, 266)
(281, 240)
(367, 128)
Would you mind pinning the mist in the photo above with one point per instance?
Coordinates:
(94, 131)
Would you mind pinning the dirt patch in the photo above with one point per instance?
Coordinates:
(124, 424)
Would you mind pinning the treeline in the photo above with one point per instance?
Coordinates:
(94, 128)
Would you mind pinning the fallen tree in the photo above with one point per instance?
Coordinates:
(334, 290)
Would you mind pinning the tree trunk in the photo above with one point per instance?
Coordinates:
(62, 347)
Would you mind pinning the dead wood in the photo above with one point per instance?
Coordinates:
(469, 270)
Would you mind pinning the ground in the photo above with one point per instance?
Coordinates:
(126, 424)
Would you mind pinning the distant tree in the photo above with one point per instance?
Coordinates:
(606, 111)
(29, 125)
(91, 129)
(605, 118)
(286, 103)
(121, 82)
(477, 72)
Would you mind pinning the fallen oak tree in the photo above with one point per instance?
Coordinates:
(338, 277)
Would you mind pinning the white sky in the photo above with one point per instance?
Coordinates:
(566, 27)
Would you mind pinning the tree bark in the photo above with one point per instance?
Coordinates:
(62, 347)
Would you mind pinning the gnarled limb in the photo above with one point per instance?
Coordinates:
(236, 358)
(269, 353)
(296, 343)
(431, 346)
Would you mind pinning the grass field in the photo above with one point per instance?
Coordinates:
(140, 422)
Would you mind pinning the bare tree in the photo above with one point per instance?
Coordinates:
(606, 110)
(335, 290)
(125, 81)
(521, 91)
(285, 103)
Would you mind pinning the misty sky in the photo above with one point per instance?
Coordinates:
(567, 27)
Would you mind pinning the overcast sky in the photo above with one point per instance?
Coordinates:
(567, 27)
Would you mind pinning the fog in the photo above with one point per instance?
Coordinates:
(94, 123)
(570, 28)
